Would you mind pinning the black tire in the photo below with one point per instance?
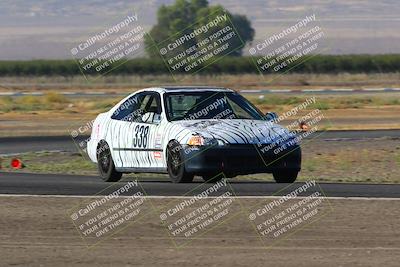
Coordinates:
(212, 178)
(285, 176)
(175, 164)
(105, 164)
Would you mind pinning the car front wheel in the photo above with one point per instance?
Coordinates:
(285, 176)
(176, 164)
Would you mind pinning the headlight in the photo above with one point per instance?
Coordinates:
(196, 140)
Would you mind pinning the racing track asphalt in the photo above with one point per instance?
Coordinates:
(55, 184)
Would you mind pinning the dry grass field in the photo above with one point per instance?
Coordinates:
(127, 83)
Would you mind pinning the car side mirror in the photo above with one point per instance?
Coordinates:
(271, 116)
(157, 118)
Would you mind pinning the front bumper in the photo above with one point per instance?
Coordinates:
(235, 160)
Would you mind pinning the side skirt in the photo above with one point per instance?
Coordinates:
(140, 170)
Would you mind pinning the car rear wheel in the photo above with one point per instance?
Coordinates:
(176, 164)
(105, 164)
(285, 176)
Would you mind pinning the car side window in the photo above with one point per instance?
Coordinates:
(151, 107)
(134, 109)
(126, 111)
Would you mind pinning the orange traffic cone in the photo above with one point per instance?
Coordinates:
(16, 163)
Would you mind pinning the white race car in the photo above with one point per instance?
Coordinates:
(187, 131)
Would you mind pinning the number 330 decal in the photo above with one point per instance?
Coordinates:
(140, 139)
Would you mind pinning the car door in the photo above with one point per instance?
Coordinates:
(136, 144)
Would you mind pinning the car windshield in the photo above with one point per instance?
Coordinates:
(209, 105)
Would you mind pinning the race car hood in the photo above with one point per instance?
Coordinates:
(238, 131)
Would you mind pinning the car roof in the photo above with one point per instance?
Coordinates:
(165, 89)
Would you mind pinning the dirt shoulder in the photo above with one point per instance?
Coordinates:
(36, 231)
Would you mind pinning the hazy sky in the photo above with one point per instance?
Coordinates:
(50, 28)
